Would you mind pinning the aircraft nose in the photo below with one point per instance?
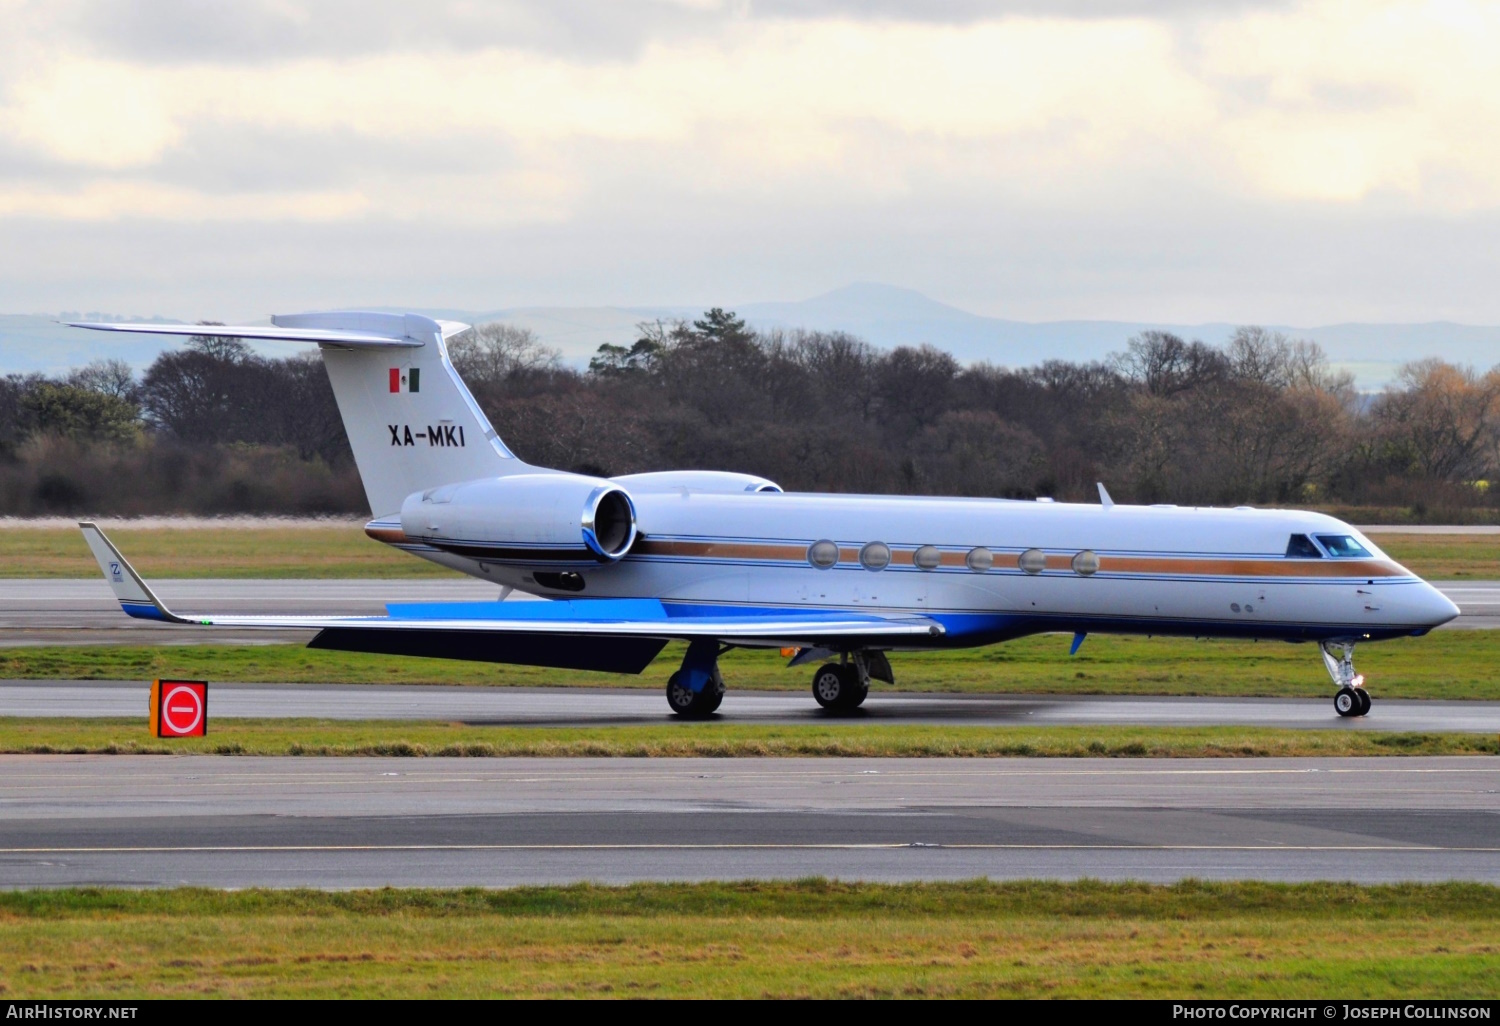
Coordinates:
(1437, 608)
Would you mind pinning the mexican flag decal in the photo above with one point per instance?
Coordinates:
(409, 380)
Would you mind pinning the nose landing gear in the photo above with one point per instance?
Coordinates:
(1351, 698)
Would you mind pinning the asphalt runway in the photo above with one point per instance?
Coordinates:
(339, 823)
(599, 707)
(84, 612)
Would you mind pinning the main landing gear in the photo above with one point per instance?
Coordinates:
(844, 686)
(695, 691)
(695, 705)
(838, 688)
(1351, 698)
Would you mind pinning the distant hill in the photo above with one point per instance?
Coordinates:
(883, 315)
(889, 316)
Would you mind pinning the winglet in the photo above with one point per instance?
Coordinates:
(134, 597)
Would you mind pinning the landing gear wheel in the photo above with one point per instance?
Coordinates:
(1364, 702)
(828, 685)
(694, 705)
(1347, 702)
(837, 688)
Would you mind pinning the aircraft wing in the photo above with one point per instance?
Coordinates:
(621, 635)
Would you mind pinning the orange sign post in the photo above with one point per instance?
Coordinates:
(179, 708)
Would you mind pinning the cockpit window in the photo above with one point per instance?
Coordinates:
(1301, 547)
(1343, 546)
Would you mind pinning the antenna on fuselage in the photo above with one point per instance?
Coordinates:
(1104, 496)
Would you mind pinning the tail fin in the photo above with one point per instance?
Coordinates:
(411, 421)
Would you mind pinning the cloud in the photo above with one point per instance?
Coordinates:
(166, 32)
(102, 201)
(598, 121)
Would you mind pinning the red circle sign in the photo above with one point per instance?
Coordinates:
(181, 710)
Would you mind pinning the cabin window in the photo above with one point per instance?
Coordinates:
(875, 556)
(979, 560)
(1086, 563)
(823, 554)
(1033, 561)
(927, 557)
(1343, 546)
(1301, 547)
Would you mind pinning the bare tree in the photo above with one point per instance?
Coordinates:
(498, 355)
(1443, 421)
(107, 377)
(1165, 365)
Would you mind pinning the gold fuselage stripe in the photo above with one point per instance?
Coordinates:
(1187, 566)
(1196, 566)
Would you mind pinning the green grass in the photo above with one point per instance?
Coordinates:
(1445, 557)
(1445, 664)
(292, 551)
(345, 551)
(842, 738)
(811, 938)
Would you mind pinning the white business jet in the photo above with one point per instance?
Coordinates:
(724, 560)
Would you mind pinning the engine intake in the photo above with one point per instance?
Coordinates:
(608, 522)
(528, 518)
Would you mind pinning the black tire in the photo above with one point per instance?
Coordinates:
(837, 688)
(694, 705)
(1364, 702)
(1347, 703)
(828, 685)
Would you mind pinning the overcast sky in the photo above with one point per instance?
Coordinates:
(1183, 161)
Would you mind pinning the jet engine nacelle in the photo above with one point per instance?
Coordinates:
(542, 517)
(716, 481)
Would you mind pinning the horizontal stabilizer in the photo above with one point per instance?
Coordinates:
(332, 336)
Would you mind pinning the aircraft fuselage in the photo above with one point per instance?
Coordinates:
(1132, 569)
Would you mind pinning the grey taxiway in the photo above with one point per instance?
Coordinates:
(604, 707)
(238, 822)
